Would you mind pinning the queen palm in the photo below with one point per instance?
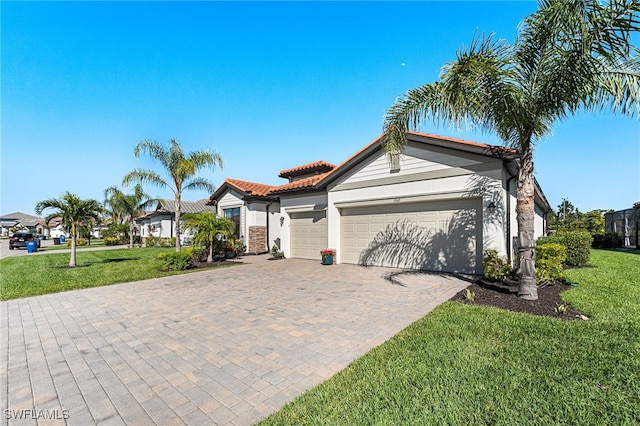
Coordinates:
(569, 55)
(181, 171)
(73, 211)
(207, 228)
(131, 206)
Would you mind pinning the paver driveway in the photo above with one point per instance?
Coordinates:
(227, 346)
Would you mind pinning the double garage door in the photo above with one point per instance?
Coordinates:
(436, 236)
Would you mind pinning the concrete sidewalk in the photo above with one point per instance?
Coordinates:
(228, 346)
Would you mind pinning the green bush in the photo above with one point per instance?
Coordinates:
(111, 241)
(495, 267)
(79, 242)
(168, 242)
(549, 260)
(608, 240)
(176, 261)
(152, 241)
(577, 243)
(198, 254)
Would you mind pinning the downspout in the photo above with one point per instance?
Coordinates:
(268, 205)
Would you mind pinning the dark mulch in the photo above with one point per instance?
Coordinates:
(504, 296)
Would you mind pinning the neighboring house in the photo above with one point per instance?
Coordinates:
(20, 220)
(436, 207)
(625, 223)
(161, 222)
(55, 228)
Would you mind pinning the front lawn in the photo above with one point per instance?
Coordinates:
(466, 364)
(23, 276)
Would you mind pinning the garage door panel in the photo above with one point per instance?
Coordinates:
(308, 234)
(432, 236)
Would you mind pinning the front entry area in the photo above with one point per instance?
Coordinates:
(437, 235)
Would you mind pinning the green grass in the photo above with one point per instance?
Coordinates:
(24, 276)
(94, 243)
(476, 365)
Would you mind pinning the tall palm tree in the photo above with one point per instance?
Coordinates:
(131, 206)
(570, 54)
(180, 169)
(207, 227)
(73, 212)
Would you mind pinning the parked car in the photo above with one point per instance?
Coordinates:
(20, 239)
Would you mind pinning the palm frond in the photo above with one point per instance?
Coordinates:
(153, 149)
(199, 183)
(145, 176)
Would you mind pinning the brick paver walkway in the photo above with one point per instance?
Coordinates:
(217, 347)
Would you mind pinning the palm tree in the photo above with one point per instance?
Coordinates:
(207, 227)
(181, 171)
(570, 54)
(73, 212)
(130, 206)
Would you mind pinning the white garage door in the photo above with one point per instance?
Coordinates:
(308, 234)
(435, 236)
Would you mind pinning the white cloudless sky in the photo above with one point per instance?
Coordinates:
(267, 85)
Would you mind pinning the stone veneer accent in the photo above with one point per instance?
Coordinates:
(257, 239)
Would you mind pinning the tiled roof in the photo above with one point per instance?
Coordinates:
(253, 188)
(299, 184)
(320, 166)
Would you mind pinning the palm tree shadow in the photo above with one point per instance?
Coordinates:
(454, 247)
(395, 278)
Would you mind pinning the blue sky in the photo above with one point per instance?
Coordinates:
(267, 85)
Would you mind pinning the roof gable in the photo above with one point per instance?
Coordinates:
(322, 173)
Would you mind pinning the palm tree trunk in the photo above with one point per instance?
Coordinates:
(72, 260)
(525, 213)
(131, 228)
(177, 217)
(210, 255)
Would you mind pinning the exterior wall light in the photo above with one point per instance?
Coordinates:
(491, 207)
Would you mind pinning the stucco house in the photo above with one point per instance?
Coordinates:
(19, 220)
(436, 207)
(161, 222)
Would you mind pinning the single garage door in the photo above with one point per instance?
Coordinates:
(308, 234)
(436, 236)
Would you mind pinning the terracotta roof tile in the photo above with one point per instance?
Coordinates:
(300, 184)
(323, 166)
(253, 188)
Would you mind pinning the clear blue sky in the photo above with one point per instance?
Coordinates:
(267, 85)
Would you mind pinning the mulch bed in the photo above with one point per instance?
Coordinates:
(504, 296)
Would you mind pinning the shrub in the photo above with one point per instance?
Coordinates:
(198, 254)
(176, 261)
(549, 260)
(152, 241)
(608, 240)
(276, 252)
(79, 242)
(577, 243)
(168, 242)
(495, 267)
(111, 241)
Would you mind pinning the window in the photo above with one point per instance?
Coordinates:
(234, 215)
